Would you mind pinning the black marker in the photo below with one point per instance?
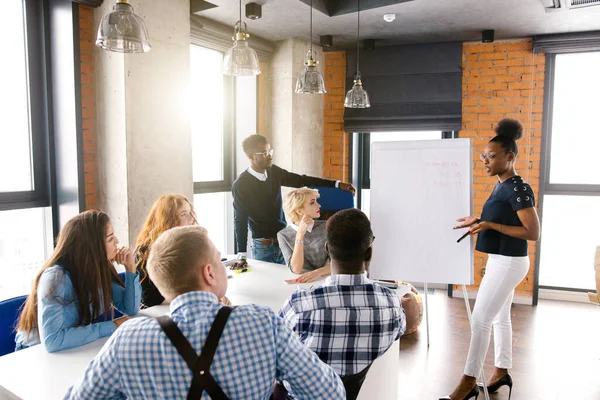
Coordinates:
(463, 236)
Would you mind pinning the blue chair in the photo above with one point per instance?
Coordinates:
(9, 313)
(333, 199)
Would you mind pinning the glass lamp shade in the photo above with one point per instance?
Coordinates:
(310, 81)
(241, 60)
(123, 31)
(357, 97)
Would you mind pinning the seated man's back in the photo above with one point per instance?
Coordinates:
(256, 347)
(349, 321)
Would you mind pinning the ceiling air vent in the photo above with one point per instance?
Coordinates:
(582, 3)
(556, 5)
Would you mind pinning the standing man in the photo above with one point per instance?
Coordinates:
(257, 202)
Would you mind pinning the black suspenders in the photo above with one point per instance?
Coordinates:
(200, 365)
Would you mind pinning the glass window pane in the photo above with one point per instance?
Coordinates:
(15, 138)
(574, 119)
(207, 113)
(365, 202)
(211, 213)
(570, 235)
(245, 116)
(25, 244)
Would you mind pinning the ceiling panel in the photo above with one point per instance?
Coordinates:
(417, 21)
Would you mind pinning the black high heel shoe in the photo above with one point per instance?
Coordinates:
(473, 393)
(506, 380)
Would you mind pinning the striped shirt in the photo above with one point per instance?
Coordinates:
(256, 347)
(349, 321)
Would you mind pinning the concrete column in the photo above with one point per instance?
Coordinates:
(297, 119)
(143, 117)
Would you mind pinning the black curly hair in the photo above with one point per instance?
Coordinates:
(508, 131)
(250, 144)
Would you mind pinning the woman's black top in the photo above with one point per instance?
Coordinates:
(150, 295)
(501, 207)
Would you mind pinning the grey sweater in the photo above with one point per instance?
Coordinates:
(315, 255)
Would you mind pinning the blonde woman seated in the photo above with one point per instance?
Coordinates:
(303, 242)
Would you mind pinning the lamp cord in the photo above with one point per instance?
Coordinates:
(357, 38)
(310, 38)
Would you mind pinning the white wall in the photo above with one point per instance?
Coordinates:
(143, 119)
(297, 119)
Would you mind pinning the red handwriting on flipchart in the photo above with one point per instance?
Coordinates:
(444, 174)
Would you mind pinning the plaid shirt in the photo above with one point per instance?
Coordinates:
(256, 347)
(349, 321)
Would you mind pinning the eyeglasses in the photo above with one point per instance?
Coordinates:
(489, 157)
(266, 153)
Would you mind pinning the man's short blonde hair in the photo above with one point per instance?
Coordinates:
(295, 199)
(174, 259)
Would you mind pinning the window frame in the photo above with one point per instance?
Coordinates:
(547, 188)
(223, 185)
(230, 152)
(45, 36)
(37, 50)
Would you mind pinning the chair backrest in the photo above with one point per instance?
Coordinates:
(353, 383)
(332, 200)
(9, 313)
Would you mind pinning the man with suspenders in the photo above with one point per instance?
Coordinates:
(203, 347)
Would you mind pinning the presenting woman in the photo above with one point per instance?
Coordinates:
(508, 221)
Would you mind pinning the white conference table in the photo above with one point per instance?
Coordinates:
(33, 373)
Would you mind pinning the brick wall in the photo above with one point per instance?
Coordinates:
(87, 37)
(336, 151)
(503, 79)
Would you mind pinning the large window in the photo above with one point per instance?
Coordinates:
(23, 146)
(575, 133)
(15, 148)
(211, 131)
(25, 218)
(25, 244)
(223, 114)
(571, 184)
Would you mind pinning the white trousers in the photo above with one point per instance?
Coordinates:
(492, 307)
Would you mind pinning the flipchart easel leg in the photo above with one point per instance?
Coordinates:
(427, 313)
